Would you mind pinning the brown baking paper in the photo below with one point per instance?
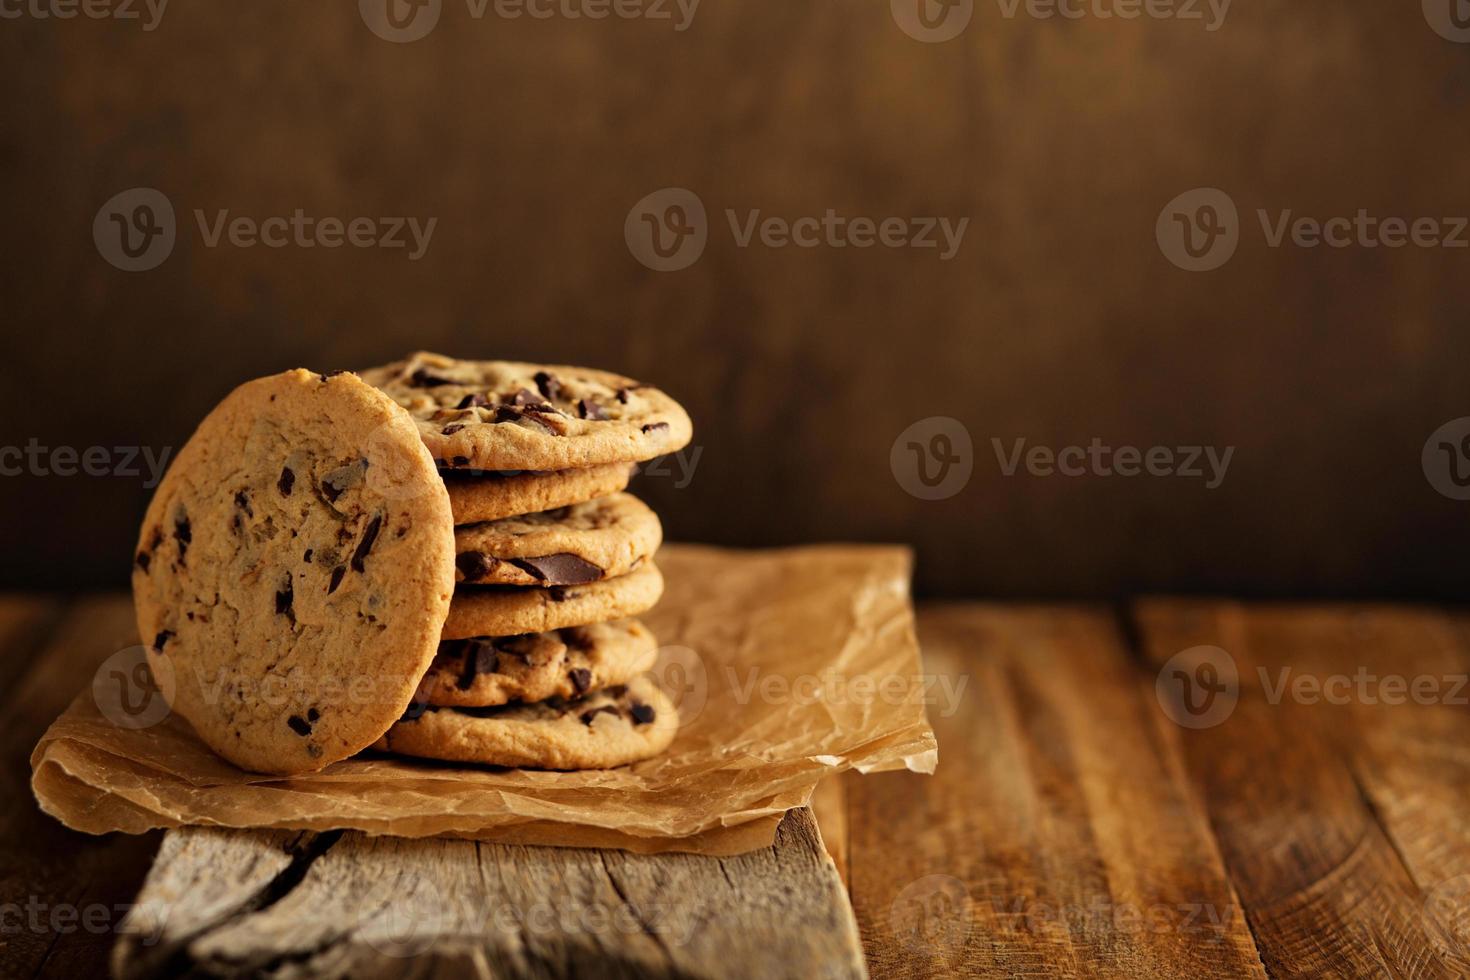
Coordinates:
(787, 666)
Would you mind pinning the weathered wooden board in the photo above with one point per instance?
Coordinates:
(1058, 837)
(1344, 821)
(233, 903)
(63, 894)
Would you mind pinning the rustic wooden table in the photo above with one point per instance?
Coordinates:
(1314, 824)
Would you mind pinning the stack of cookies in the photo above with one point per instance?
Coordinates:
(436, 559)
(541, 661)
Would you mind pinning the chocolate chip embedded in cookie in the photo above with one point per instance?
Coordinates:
(297, 602)
(574, 545)
(566, 663)
(612, 727)
(507, 415)
(477, 496)
(508, 610)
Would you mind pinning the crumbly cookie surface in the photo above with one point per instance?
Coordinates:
(509, 415)
(566, 663)
(572, 545)
(507, 610)
(293, 571)
(489, 496)
(611, 727)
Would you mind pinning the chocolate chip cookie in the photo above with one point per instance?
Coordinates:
(566, 663)
(478, 496)
(294, 568)
(506, 415)
(508, 610)
(573, 545)
(612, 727)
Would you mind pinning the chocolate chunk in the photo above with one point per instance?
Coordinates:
(559, 593)
(307, 557)
(590, 410)
(642, 713)
(312, 715)
(522, 397)
(163, 637)
(325, 376)
(363, 546)
(623, 395)
(505, 413)
(581, 679)
(283, 601)
(473, 565)
(479, 658)
(286, 482)
(543, 408)
(473, 401)
(562, 568)
(242, 501)
(142, 560)
(587, 716)
(547, 384)
(337, 574)
(183, 534)
(423, 379)
(655, 426)
(299, 725)
(450, 430)
(331, 491)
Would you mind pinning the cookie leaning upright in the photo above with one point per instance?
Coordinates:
(508, 415)
(294, 570)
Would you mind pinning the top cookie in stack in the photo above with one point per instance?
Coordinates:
(541, 662)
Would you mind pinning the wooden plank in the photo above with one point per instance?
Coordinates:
(1337, 821)
(1058, 837)
(70, 890)
(235, 903)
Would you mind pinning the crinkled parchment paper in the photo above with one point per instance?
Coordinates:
(787, 665)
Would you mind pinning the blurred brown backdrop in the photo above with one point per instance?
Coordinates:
(1058, 321)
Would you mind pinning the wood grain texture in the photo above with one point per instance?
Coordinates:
(1058, 321)
(1058, 837)
(233, 903)
(1342, 820)
(64, 894)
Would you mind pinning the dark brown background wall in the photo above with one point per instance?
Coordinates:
(1059, 320)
